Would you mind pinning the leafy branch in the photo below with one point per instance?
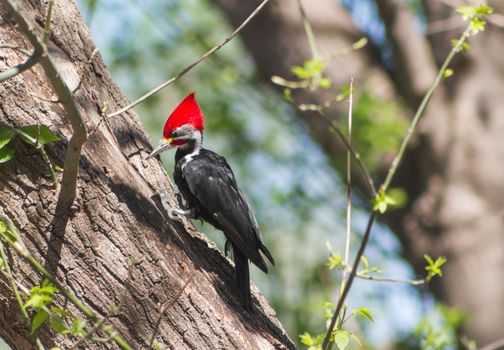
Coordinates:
(34, 135)
(475, 25)
(40, 297)
(69, 182)
(4, 263)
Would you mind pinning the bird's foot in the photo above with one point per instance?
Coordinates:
(176, 214)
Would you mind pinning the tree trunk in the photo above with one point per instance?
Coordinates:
(117, 215)
(453, 170)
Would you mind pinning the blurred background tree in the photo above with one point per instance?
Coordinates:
(288, 162)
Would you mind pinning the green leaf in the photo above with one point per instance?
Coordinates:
(340, 338)
(467, 12)
(157, 345)
(360, 43)
(477, 25)
(61, 312)
(40, 132)
(6, 154)
(485, 10)
(58, 324)
(288, 95)
(37, 301)
(434, 267)
(300, 72)
(447, 73)
(335, 261)
(314, 66)
(78, 326)
(311, 342)
(463, 47)
(344, 93)
(397, 197)
(38, 320)
(306, 338)
(324, 83)
(364, 261)
(6, 134)
(363, 312)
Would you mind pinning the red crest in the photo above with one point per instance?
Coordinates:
(187, 112)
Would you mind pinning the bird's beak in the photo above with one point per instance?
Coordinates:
(164, 144)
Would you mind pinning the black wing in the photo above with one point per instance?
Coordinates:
(211, 180)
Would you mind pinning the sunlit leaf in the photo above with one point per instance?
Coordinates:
(37, 132)
(6, 154)
(6, 134)
(38, 320)
(335, 261)
(363, 312)
(340, 338)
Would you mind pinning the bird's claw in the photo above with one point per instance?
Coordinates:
(176, 214)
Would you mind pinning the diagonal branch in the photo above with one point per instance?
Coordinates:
(69, 183)
(192, 65)
(20, 68)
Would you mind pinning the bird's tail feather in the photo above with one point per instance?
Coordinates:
(266, 252)
(243, 277)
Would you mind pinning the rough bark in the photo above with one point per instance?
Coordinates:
(116, 216)
(453, 170)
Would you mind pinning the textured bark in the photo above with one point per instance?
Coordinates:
(453, 171)
(117, 214)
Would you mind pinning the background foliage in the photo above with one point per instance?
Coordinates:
(296, 194)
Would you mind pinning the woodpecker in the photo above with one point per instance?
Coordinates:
(210, 192)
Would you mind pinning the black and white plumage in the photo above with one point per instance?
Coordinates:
(211, 193)
(209, 188)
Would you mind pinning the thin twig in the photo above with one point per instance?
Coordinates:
(165, 307)
(17, 295)
(393, 280)
(421, 109)
(47, 25)
(20, 68)
(387, 181)
(308, 30)
(332, 125)
(89, 333)
(350, 279)
(20, 248)
(71, 166)
(16, 48)
(192, 65)
(349, 180)
(336, 129)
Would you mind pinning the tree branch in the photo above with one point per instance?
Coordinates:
(17, 295)
(192, 65)
(165, 307)
(21, 249)
(349, 282)
(71, 166)
(15, 48)
(20, 68)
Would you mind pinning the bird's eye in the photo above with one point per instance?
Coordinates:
(174, 134)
